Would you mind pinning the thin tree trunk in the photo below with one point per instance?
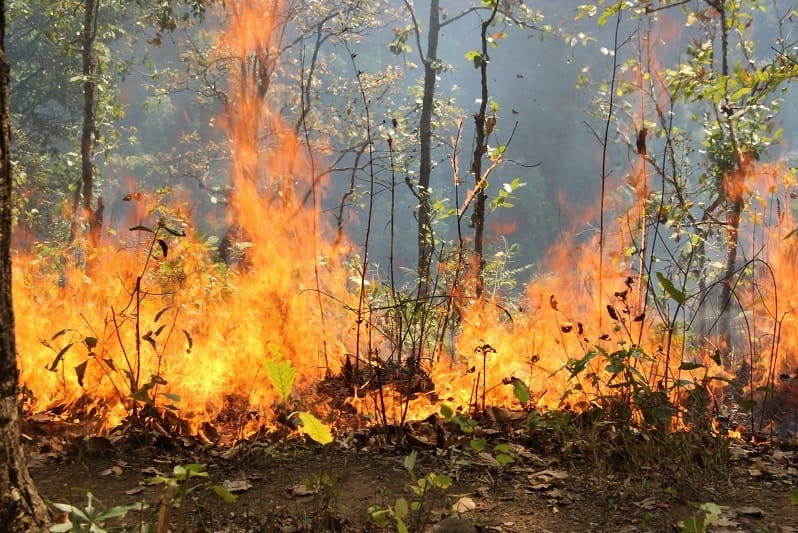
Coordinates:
(480, 147)
(733, 185)
(21, 508)
(425, 236)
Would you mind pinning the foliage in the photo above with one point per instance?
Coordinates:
(708, 514)
(413, 515)
(91, 519)
(701, 124)
(282, 376)
(185, 479)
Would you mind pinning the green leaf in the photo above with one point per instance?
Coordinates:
(441, 481)
(401, 527)
(672, 291)
(176, 233)
(475, 57)
(446, 411)
(315, 428)
(172, 396)
(380, 516)
(739, 93)
(224, 494)
(503, 448)
(747, 404)
(282, 376)
(401, 509)
(577, 366)
(521, 391)
(410, 461)
(118, 511)
(694, 524)
(504, 459)
(190, 470)
(478, 445)
(794, 496)
(142, 395)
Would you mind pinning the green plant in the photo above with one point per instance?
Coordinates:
(178, 487)
(282, 376)
(502, 452)
(92, 519)
(413, 515)
(708, 513)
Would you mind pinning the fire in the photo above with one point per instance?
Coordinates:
(161, 320)
(160, 316)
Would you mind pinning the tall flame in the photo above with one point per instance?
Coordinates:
(197, 333)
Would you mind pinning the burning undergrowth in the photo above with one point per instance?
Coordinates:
(153, 328)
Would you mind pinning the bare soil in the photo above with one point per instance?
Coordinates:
(573, 485)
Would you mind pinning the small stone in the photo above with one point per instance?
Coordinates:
(454, 524)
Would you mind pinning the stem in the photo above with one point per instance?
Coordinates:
(604, 142)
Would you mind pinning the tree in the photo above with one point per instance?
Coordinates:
(430, 110)
(431, 66)
(21, 507)
(708, 182)
(88, 137)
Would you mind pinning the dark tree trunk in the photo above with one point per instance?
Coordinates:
(88, 139)
(481, 132)
(425, 236)
(21, 508)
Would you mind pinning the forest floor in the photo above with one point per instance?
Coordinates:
(590, 481)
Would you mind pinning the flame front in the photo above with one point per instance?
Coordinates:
(159, 315)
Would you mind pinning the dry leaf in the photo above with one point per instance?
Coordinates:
(549, 474)
(300, 490)
(134, 490)
(485, 459)
(648, 504)
(114, 470)
(237, 486)
(464, 504)
(152, 471)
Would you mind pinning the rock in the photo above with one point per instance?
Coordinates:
(454, 524)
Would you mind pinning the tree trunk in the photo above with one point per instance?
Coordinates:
(481, 132)
(21, 508)
(733, 186)
(88, 139)
(425, 237)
